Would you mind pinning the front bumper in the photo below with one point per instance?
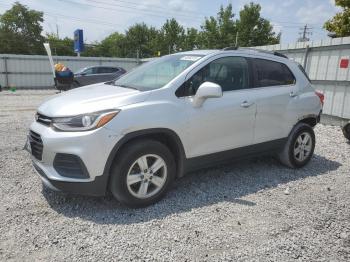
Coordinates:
(93, 188)
(91, 147)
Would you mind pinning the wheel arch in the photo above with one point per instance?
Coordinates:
(311, 120)
(163, 135)
(77, 82)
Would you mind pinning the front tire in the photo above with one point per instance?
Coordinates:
(142, 173)
(299, 148)
(75, 84)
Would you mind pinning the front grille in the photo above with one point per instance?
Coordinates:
(45, 120)
(36, 145)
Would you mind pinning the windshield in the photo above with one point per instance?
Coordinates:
(81, 70)
(157, 73)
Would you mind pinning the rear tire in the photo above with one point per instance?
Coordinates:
(142, 173)
(299, 148)
(75, 84)
(346, 131)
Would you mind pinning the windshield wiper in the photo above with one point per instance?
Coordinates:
(125, 86)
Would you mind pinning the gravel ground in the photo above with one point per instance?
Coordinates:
(256, 210)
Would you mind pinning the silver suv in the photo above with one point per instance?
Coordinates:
(178, 113)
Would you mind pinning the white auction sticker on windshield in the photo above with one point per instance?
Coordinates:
(190, 58)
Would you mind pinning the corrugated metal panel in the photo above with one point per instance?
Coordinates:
(323, 66)
(34, 71)
(323, 59)
(337, 99)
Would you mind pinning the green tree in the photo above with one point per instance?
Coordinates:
(113, 45)
(253, 30)
(92, 49)
(191, 39)
(60, 47)
(221, 31)
(340, 23)
(20, 31)
(140, 41)
(172, 34)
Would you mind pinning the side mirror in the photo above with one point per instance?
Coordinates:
(83, 74)
(206, 90)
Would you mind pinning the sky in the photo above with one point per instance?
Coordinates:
(99, 18)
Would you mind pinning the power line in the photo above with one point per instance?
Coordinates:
(295, 23)
(94, 21)
(160, 7)
(88, 20)
(130, 10)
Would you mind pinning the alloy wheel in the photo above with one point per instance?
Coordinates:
(303, 146)
(146, 176)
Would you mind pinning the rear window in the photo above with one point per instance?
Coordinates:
(271, 73)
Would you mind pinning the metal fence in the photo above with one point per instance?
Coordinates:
(33, 71)
(322, 62)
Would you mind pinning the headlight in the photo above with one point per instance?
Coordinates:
(84, 122)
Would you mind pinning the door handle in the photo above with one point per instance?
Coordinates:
(293, 94)
(246, 104)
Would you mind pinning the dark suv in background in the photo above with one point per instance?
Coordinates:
(96, 74)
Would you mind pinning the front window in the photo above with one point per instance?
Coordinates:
(231, 73)
(157, 73)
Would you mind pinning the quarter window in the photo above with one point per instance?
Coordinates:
(231, 73)
(270, 73)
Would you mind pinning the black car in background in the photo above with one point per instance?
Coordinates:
(96, 74)
(346, 130)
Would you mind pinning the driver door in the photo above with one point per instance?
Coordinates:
(224, 123)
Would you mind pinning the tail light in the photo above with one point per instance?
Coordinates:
(320, 96)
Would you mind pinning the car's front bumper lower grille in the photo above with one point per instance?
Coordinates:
(36, 145)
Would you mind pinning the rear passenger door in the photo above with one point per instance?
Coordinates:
(275, 89)
(106, 74)
(103, 74)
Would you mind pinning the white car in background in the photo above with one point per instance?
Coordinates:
(178, 113)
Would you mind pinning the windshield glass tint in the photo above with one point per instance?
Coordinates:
(81, 70)
(157, 73)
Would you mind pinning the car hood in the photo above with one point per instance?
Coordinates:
(90, 98)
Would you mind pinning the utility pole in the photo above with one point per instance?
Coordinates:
(57, 32)
(304, 34)
(57, 35)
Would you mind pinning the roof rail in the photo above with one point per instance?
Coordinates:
(230, 48)
(266, 52)
(280, 54)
